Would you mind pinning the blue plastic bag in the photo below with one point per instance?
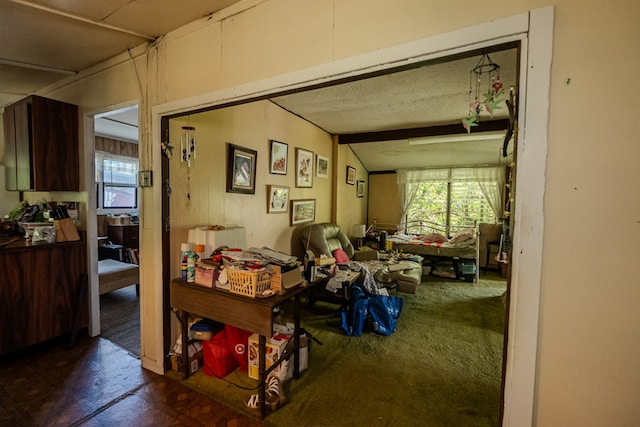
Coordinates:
(353, 321)
(384, 311)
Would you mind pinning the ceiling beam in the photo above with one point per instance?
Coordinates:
(12, 63)
(82, 19)
(398, 134)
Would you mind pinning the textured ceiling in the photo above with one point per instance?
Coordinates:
(433, 95)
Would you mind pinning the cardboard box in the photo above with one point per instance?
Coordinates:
(274, 348)
(280, 282)
(206, 275)
(325, 261)
(233, 237)
(195, 361)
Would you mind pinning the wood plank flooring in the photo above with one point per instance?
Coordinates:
(97, 383)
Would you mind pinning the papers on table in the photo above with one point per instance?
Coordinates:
(272, 256)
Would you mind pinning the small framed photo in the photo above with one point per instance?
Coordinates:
(304, 168)
(322, 166)
(351, 175)
(241, 169)
(279, 158)
(303, 211)
(277, 199)
(360, 189)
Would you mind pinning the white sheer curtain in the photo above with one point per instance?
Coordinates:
(491, 180)
(408, 181)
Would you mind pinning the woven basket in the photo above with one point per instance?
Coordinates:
(248, 283)
(276, 279)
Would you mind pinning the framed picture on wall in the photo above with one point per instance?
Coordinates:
(279, 158)
(303, 211)
(304, 168)
(360, 189)
(241, 169)
(322, 166)
(351, 175)
(277, 199)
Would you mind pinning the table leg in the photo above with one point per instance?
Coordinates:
(261, 376)
(296, 337)
(345, 296)
(184, 319)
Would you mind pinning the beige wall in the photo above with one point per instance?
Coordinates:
(588, 369)
(385, 203)
(349, 208)
(199, 194)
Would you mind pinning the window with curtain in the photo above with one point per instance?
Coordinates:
(117, 179)
(447, 201)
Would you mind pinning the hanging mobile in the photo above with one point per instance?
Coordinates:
(188, 144)
(492, 98)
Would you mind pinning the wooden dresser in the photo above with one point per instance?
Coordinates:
(39, 292)
(125, 235)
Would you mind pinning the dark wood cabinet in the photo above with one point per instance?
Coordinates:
(41, 145)
(125, 235)
(39, 292)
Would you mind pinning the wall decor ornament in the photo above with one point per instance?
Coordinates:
(167, 149)
(360, 189)
(303, 211)
(351, 175)
(304, 168)
(322, 166)
(188, 145)
(493, 96)
(277, 199)
(241, 169)
(279, 158)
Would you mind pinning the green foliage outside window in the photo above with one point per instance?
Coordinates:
(447, 208)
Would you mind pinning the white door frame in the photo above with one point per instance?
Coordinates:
(92, 215)
(535, 31)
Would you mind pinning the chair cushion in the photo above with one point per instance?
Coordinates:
(340, 256)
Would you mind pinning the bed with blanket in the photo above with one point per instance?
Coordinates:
(461, 246)
(115, 275)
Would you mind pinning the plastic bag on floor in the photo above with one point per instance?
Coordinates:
(354, 320)
(384, 311)
(218, 357)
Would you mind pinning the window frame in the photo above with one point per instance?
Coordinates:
(102, 185)
(452, 188)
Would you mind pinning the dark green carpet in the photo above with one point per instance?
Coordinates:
(120, 318)
(442, 366)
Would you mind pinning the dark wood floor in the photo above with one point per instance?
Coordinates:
(99, 384)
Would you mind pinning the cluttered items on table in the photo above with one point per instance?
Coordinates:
(254, 272)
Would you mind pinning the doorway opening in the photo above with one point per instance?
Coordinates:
(117, 204)
(178, 212)
(535, 29)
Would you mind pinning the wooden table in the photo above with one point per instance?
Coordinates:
(253, 314)
(325, 295)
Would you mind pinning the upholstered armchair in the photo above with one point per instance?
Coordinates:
(324, 238)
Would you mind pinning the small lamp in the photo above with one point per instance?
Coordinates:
(358, 231)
